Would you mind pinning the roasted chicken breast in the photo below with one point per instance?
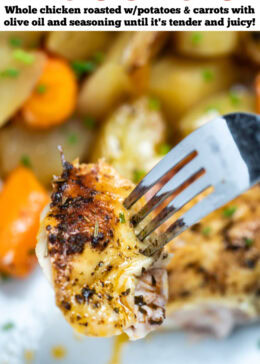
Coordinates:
(214, 272)
(87, 247)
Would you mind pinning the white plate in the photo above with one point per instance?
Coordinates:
(39, 326)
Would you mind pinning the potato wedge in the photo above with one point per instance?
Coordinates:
(181, 83)
(38, 149)
(17, 80)
(220, 104)
(124, 73)
(205, 44)
(130, 138)
(22, 39)
(78, 45)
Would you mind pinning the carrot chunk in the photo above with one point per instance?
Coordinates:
(54, 97)
(21, 203)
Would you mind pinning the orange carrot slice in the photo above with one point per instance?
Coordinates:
(21, 202)
(54, 97)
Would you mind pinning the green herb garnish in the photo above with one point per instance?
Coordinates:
(15, 42)
(122, 218)
(10, 72)
(8, 326)
(41, 89)
(154, 104)
(248, 242)
(4, 276)
(196, 38)
(72, 139)
(23, 56)
(31, 252)
(89, 123)
(99, 57)
(82, 67)
(138, 175)
(234, 98)
(206, 230)
(211, 108)
(164, 148)
(208, 75)
(229, 211)
(26, 161)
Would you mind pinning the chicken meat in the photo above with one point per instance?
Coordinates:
(214, 272)
(88, 249)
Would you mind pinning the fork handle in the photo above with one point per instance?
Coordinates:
(245, 129)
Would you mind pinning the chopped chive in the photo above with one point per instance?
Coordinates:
(89, 122)
(10, 72)
(15, 42)
(72, 139)
(208, 75)
(4, 276)
(229, 211)
(96, 229)
(138, 175)
(234, 98)
(41, 89)
(211, 108)
(26, 161)
(23, 56)
(122, 218)
(99, 57)
(248, 242)
(154, 104)
(82, 67)
(206, 230)
(196, 38)
(164, 148)
(8, 326)
(31, 252)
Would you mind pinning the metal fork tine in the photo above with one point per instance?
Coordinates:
(189, 170)
(210, 203)
(175, 205)
(171, 160)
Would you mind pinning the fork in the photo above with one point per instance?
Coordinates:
(224, 154)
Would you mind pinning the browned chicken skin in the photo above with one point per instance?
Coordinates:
(103, 284)
(214, 274)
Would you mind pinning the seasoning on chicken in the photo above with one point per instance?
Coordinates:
(87, 247)
(214, 274)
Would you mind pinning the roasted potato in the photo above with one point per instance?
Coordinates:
(181, 83)
(130, 138)
(205, 44)
(38, 149)
(78, 45)
(21, 39)
(223, 103)
(124, 73)
(18, 79)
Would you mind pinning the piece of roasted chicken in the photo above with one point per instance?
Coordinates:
(214, 273)
(87, 247)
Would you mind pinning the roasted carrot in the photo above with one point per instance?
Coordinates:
(21, 203)
(257, 87)
(54, 97)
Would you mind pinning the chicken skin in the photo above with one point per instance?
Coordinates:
(87, 247)
(214, 272)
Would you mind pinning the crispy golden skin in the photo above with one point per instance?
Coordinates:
(103, 284)
(214, 274)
